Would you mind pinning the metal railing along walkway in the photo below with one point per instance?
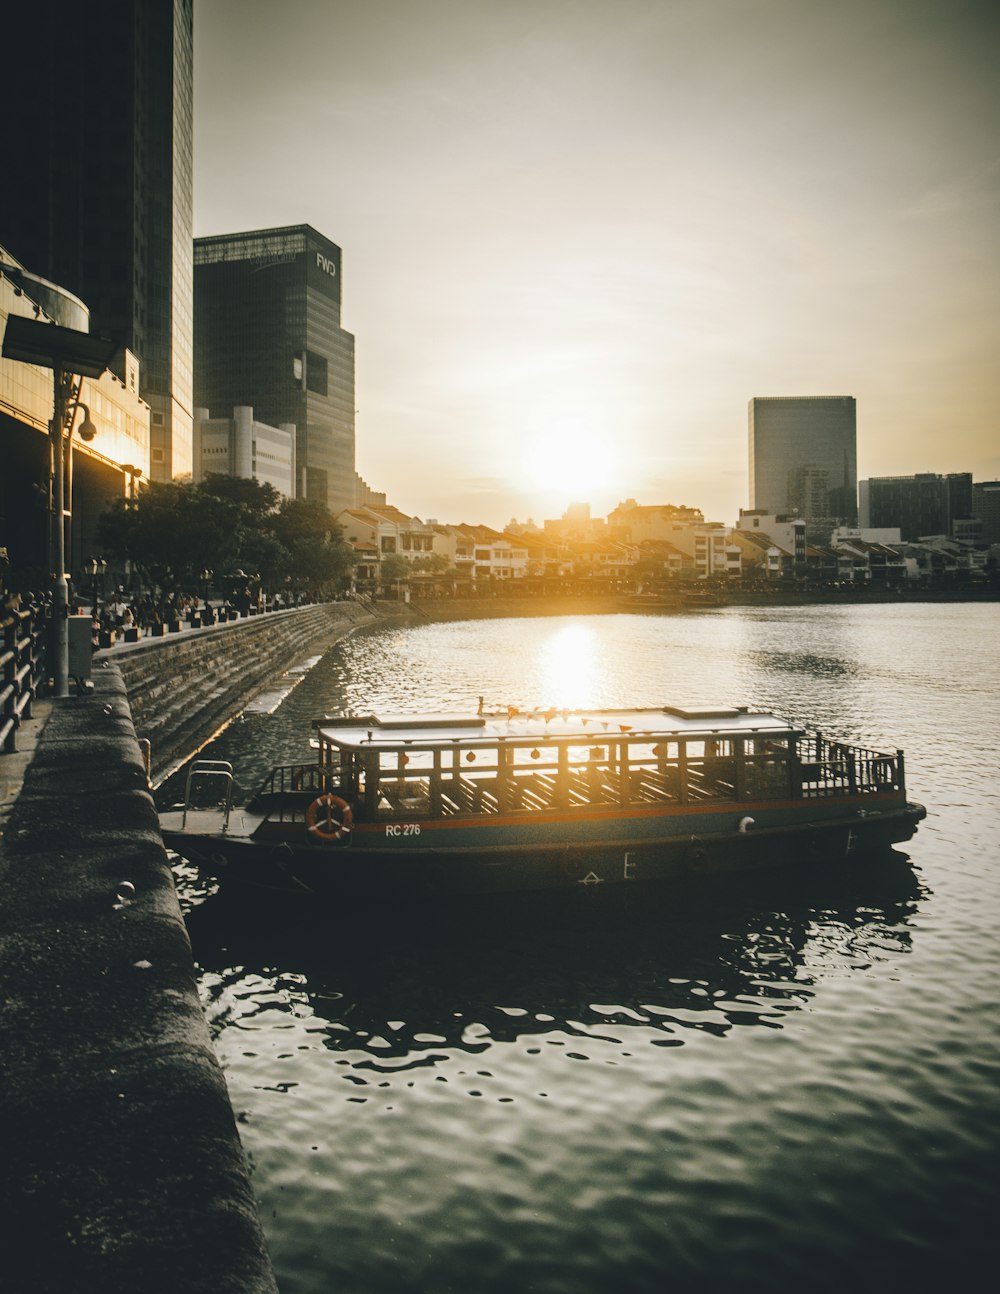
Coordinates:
(22, 668)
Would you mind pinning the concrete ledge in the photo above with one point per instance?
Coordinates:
(122, 1169)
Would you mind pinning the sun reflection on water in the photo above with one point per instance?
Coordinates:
(569, 667)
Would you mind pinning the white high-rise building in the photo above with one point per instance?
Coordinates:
(242, 446)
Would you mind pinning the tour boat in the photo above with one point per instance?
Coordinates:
(515, 801)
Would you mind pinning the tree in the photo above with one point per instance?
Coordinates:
(175, 530)
(257, 500)
(307, 531)
(263, 552)
(651, 571)
(170, 532)
(434, 563)
(256, 547)
(393, 569)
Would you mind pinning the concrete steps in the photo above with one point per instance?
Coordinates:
(183, 688)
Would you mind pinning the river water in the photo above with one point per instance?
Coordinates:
(788, 1085)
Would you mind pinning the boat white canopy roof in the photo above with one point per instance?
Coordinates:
(489, 729)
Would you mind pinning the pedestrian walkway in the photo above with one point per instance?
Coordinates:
(122, 1168)
(14, 766)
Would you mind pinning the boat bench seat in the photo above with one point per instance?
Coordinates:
(467, 795)
(653, 787)
(709, 782)
(528, 793)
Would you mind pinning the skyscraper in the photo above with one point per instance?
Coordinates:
(803, 456)
(96, 105)
(268, 334)
(986, 506)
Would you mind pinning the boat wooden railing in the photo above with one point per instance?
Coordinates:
(484, 781)
(297, 777)
(832, 768)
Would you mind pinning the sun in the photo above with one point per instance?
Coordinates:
(569, 459)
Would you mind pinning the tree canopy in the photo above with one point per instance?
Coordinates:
(176, 530)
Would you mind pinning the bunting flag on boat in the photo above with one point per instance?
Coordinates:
(512, 710)
(625, 727)
(549, 715)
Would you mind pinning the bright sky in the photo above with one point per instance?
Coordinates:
(579, 235)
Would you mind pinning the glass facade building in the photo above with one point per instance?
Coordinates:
(804, 456)
(924, 504)
(268, 334)
(97, 105)
(98, 471)
(986, 507)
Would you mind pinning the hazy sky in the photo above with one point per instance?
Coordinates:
(579, 235)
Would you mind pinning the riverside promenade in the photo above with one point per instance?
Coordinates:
(122, 1169)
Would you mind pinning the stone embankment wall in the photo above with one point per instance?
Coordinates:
(183, 688)
(122, 1170)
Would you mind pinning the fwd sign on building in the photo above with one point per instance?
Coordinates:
(323, 269)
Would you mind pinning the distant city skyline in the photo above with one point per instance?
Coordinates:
(580, 238)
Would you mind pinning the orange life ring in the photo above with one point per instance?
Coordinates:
(329, 818)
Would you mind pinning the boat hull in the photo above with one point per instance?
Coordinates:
(412, 867)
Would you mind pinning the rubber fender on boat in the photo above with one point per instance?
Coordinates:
(745, 824)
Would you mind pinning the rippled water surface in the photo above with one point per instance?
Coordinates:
(787, 1085)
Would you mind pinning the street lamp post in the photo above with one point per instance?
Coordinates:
(97, 569)
(71, 355)
(132, 473)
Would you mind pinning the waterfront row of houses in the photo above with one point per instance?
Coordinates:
(643, 547)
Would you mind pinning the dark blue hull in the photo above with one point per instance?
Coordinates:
(403, 870)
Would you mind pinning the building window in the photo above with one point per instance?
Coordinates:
(316, 373)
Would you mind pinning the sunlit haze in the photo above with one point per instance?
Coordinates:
(579, 236)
